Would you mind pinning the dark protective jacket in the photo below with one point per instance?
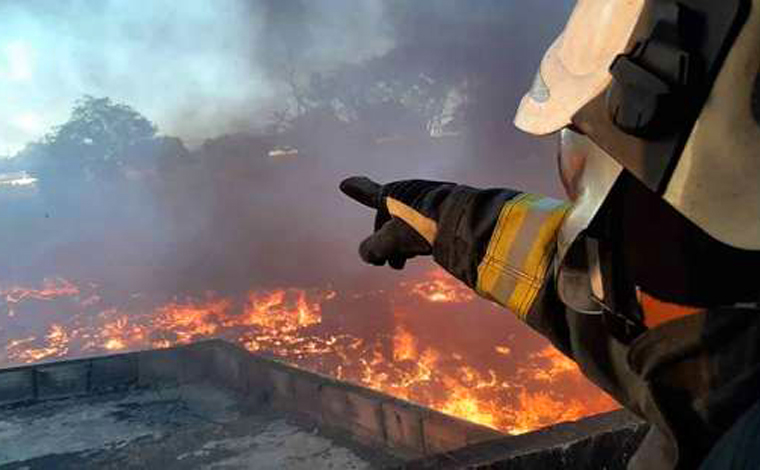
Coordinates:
(691, 374)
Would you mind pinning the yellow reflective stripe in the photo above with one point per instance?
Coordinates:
(504, 235)
(520, 251)
(537, 263)
(423, 225)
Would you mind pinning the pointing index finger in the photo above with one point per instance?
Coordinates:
(363, 190)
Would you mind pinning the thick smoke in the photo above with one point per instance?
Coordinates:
(261, 107)
(197, 68)
(215, 74)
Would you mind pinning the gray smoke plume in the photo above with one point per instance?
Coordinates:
(202, 69)
(197, 68)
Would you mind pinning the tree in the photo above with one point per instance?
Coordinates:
(372, 98)
(95, 142)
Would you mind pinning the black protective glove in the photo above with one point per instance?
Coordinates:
(407, 217)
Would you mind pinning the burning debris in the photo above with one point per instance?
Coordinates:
(51, 289)
(113, 191)
(498, 386)
(439, 288)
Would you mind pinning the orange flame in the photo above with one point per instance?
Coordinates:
(440, 287)
(190, 321)
(553, 363)
(404, 345)
(287, 323)
(56, 345)
(51, 289)
(540, 409)
(278, 311)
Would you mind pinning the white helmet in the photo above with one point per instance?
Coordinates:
(668, 91)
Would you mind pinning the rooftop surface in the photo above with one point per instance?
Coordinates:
(189, 426)
(209, 405)
(213, 405)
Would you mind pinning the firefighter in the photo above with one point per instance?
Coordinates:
(647, 275)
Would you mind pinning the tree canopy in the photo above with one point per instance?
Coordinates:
(95, 141)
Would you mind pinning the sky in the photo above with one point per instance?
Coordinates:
(195, 67)
(203, 68)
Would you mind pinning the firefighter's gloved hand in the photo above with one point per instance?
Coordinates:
(407, 216)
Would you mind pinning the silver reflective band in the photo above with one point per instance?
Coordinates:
(598, 175)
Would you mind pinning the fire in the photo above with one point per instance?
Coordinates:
(279, 311)
(51, 289)
(503, 350)
(115, 344)
(190, 320)
(482, 396)
(467, 403)
(118, 334)
(508, 389)
(404, 345)
(554, 363)
(56, 345)
(440, 287)
(541, 409)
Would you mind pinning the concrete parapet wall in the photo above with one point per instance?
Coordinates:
(68, 379)
(406, 429)
(375, 418)
(599, 442)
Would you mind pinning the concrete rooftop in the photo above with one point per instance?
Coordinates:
(213, 405)
(188, 426)
(209, 405)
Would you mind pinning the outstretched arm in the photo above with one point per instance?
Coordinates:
(500, 242)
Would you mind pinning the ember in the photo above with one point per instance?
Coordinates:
(440, 287)
(505, 388)
(51, 289)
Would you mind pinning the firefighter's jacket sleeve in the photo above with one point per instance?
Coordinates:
(502, 243)
(499, 242)
(690, 377)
